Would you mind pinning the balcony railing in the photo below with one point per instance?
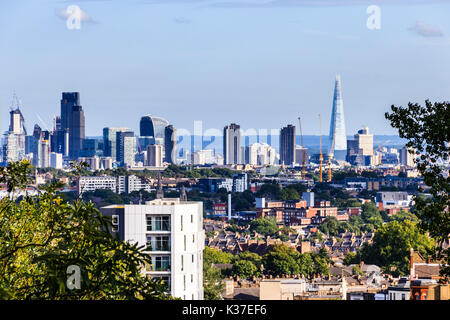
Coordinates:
(158, 247)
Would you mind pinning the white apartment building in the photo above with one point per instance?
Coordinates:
(93, 183)
(260, 154)
(172, 232)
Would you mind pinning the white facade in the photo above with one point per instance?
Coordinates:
(93, 183)
(56, 160)
(407, 156)
(260, 154)
(172, 232)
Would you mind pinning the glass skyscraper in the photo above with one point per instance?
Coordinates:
(337, 126)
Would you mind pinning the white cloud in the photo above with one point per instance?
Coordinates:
(426, 30)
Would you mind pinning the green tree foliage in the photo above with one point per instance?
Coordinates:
(244, 269)
(288, 194)
(264, 226)
(350, 258)
(43, 235)
(391, 246)
(211, 255)
(281, 259)
(427, 129)
(269, 190)
(330, 226)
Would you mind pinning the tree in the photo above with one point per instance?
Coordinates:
(244, 269)
(264, 226)
(216, 256)
(42, 236)
(371, 215)
(212, 277)
(391, 246)
(330, 226)
(427, 130)
(288, 194)
(350, 258)
(280, 260)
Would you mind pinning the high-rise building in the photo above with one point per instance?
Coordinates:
(68, 101)
(170, 144)
(155, 155)
(110, 141)
(125, 147)
(232, 144)
(14, 149)
(337, 126)
(407, 156)
(76, 131)
(151, 126)
(360, 149)
(172, 231)
(287, 145)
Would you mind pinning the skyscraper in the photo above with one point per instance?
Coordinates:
(151, 126)
(69, 99)
(14, 149)
(232, 144)
(76, 131)
(360, 149)
(170, 144)
(337, 126)
(287, 145)
(125, 147)
(110, 142)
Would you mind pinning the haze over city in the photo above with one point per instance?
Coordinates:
(257, 63)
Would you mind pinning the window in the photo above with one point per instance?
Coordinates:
(158, 223)
(184, 242)
(182, 263)
(158, 243)
(192, 218)
(162, 263)
(184, 281)
(193, 238)
(181, 223)
(115, 219)
(192, 258)
(192, 278)
(403, 296)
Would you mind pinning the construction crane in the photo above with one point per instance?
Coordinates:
(330, 156)
(320, 156)
(303, 153)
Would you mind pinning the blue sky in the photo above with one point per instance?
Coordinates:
(258, 63)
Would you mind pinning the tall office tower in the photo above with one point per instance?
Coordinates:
(287, 145)
(14, 149)
(170, 144)
(76, 131)
(37, 131)
(151, 126)
(407, 156)
(360, 149)
(57, 137)
(232, 144)
(125, 147)
(17, 122)
(337, 126)
(172, 231)
(155, 155)
(43, 153)
(110, 142)
(68, 101)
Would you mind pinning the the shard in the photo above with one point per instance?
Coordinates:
(337, 126)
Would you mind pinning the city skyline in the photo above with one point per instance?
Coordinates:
(165, 58)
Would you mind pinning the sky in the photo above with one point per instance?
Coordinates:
(260, 63)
